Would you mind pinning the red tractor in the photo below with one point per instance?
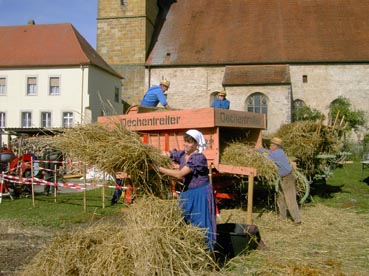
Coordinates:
(17, 171)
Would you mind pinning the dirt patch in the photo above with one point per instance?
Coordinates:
(18, 245)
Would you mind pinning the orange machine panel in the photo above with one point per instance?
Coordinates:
(165, 129)
(186, 119)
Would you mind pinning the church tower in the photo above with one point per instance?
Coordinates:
(124, 32)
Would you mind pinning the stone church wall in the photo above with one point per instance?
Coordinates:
(193, 88)
(325, 83)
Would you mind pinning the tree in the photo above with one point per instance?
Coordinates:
(353, 118)
(305, 113)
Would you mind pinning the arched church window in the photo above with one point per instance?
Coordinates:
(334, 108)
(297, 104)
(257, 102)
(297, 110)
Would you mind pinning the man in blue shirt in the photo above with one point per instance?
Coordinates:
(286, 198)
(156, 94)
(220, 101)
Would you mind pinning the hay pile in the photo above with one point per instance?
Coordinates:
(150, 238)
(304, 140)
(330, 242)
(116, 149)
(36, 144)
(245, 155)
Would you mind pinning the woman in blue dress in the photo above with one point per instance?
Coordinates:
(197, 197)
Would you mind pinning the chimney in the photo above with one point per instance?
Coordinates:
(31, 22)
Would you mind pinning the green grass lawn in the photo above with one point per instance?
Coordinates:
(68, 209)
(333, 235)
(344, 189)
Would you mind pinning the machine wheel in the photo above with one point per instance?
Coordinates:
(23, 189)
(302, 186)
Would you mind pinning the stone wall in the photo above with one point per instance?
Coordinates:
(192, 87)
(325, 83)
(123, 37)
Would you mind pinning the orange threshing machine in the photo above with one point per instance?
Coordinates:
(164, 129)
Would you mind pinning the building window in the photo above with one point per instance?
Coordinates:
(2, 86)
(304, 78)
(116, 95)
(2, 120)
(123, 2)
(67, 119)
(257, 103)
(298, 110)
(26, 119)
(298, 104)
(46, 119)
(31, 86)
(54, 88)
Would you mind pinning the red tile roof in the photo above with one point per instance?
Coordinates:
(263, 32)
(47, 45)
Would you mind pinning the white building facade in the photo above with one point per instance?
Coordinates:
(60, 84)
(56, 97)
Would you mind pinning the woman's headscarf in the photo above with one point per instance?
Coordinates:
(197, 135)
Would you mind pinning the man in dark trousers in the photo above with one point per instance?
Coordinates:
(286, 198)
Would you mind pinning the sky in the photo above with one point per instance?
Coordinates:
(81, 14)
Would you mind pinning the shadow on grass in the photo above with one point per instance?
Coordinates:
(324, 190)
(366, 180)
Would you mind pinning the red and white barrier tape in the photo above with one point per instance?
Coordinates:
(39, 181)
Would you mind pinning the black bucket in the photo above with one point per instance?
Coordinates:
(6, 157)
(234, 239)
(53, 155)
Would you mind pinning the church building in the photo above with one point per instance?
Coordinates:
(270, 56)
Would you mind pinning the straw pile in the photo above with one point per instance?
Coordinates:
(36, 145)
(330, 242)
(304, 140)
(150, 238)
(116, 149)
(244, 155)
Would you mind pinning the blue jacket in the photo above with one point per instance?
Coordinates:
(153, 96)
(280, 159)
(221, 103)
